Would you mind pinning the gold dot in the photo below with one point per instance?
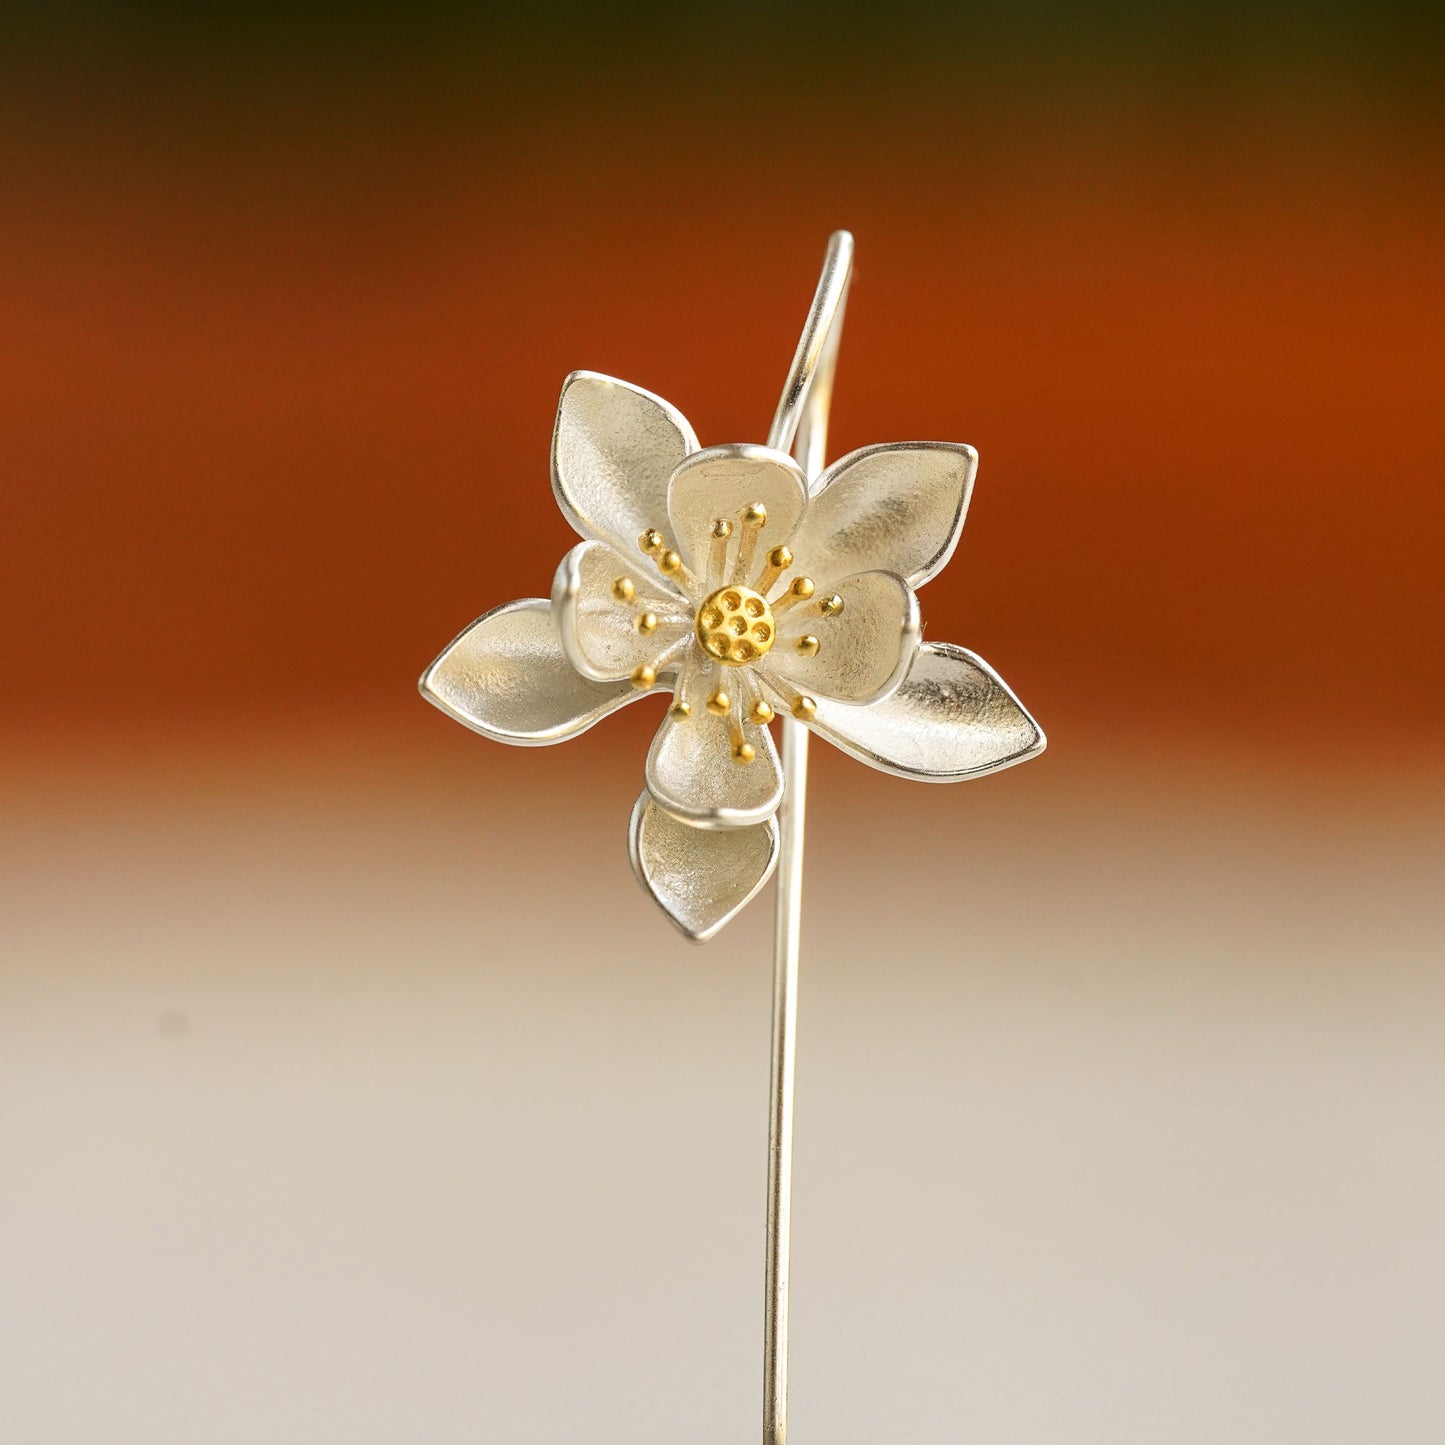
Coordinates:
(669, 563)
(744, 753)
(802, 588)
(717, 644)
(651, 541)
(781, 558)
(831, 606)
(805, 709)
(643, 676)
(744, 652)
(760, 713)
(755, 514)
(646, 622)
(679, 712)
(722, 529)
(719, 703)
(762, 632)
(807, 644)
(623, 590)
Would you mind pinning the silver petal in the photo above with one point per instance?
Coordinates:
(613, 449)
(897, 508)
(863, 653)
(598, 629)
(721, 482)
(507, 678)
(953, 718)
(700, 877)
(690, 767)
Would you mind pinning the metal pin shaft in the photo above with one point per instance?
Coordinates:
(800, 423)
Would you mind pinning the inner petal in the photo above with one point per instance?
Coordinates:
(760, 492)
(694, 769)
(611, 616)
(852, 642)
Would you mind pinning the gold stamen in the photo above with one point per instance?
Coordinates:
(646, 622)
(652, 541)
(623, 590)
(800, 591)
(760, 713)
(743, 752)
(807, 644)
(831, 606)
(754, 518)
(669, 563)
(679, 711)
(779, 560)
(717, 565)
(805, 709)
(643, 675)
(719, 703)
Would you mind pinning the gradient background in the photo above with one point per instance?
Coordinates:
(351, 1091)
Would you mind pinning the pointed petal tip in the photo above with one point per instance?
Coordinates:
(700, 878)
(614, 446)
(507, 678)
(898, 506)
(954, 718)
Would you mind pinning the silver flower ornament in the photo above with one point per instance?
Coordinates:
(722, 576)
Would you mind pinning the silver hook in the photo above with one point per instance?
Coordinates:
(800, 423)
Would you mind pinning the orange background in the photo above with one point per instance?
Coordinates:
(283, 397)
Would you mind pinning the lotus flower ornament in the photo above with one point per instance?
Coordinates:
(724, 577)
(754, 587)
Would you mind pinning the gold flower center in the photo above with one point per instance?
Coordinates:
(735, 625)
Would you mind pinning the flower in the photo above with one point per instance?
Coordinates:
(720, 575)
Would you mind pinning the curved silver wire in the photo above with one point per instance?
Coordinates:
(800, 423)
(811, 377)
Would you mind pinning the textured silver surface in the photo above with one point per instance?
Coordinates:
(899, 508)
(720, 482)
(614, 447)
(598, 631)
(507, 678)
(700, 877)
(863, 653)
(953, 718)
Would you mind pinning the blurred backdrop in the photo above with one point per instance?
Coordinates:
(351, 1091)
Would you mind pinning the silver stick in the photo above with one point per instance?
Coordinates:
(801, 418)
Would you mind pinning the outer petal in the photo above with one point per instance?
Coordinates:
(720, 482)
(613, 449)
(507, 678)
(690, 767)
(863, 653)
(899, 508)
(700, 877)
(598, 631)
(953, 718)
